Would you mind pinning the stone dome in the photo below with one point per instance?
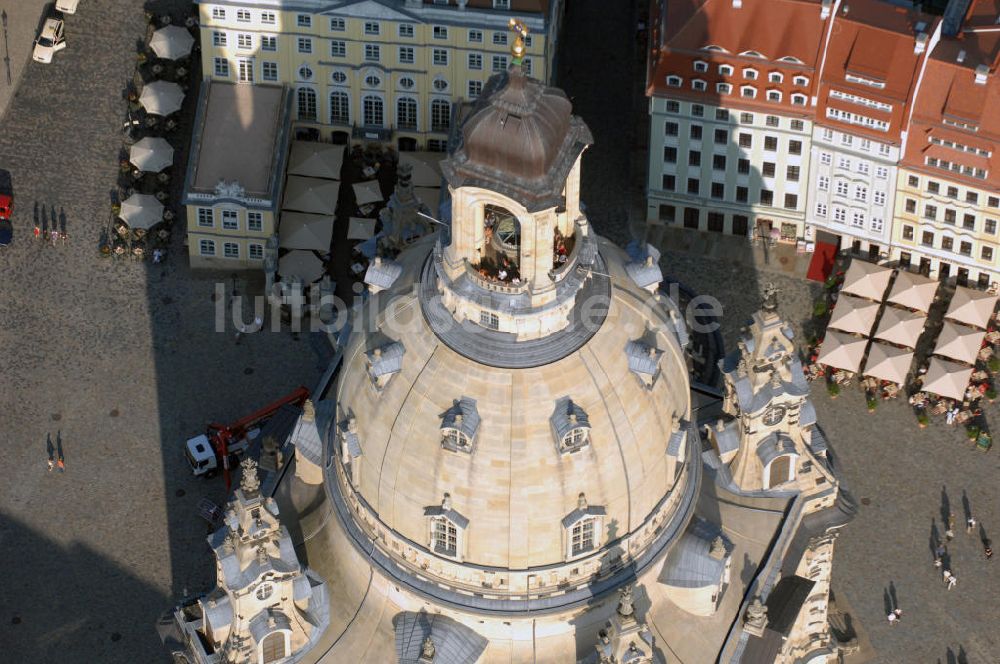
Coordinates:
(513, 491)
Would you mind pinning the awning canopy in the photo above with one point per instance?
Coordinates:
(959, 342)
(900, 326)
(854, 314)
(426, 167)
(141, 211)
(302, 264)
(171, 43)
(842, 351)
(947, 379)
(161, 97)
(887, 362)
(313, 195)
(866, 279)
(972, 307)
(367, 192)
(913, 290)
(151, 154)
(300, 230)
(360, 228)
(316, 160)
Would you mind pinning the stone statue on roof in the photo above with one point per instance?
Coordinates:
(250, 483)
(625, 601)
(770, 298)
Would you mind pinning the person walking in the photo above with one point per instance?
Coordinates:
(38, 232)
(892, 618)
(946, 575)
(951, 581)
(898, 613)
(970, 525)
(949, 533)
(988, 548)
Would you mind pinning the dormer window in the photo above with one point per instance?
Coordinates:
(446, 529)
(751, 54)
(583, 529)
(748, 92)
(792, 59)
(775, 77)
(773, 95)
(777, 455)
(570, 426)
(800, 80)
(699, 85)
(384, 362)
(700, 65)
(459, 425)
(723, 88)
(750, 74)
(798, 99)
(725, 70)
(674, 81)
(644, 360)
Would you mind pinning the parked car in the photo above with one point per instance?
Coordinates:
(67, 6)
(50, 41)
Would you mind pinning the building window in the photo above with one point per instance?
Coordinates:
(947, 243)
(440, 57)
(823, 183)
(407, 83)
(742, 194)
(372, 28)
(800, 80)
(306, 98)
(670, 154)
(794, 147)
(933, 187)
(268, 43)
(990, 226)
(693, 186)
(718, 162)
(969, 222)
(721, 137)
(718, 190)
(699, 85)
(499, 63)
(668, 213)
(910, 205)
(499, 38)
(766, 197)
(750, 74)
(965, 248)
(860, 193)
(791, 201)
(206, 218)
(700, 65)
(267, 18)
(694, 158)
(858, 219)
(439, 84)
(722, 114)
(338, 24)
(219, 14)
(792, 173)
(841, 187)
(881, 172)
(694, 132)
(668, 183)
(746, 140)
(230, 220)
(697, 110)
(373, 53)
(444, 536)
(775, 77)
(825, 158)
(746, 118)
(821, 210)
(304, 21)
(725, 70)
(406, 55)
(255, 251)
(475, 36)
(767, 169)
(583, 536)
(986, 254)
(773, 95)
(255, 222)
(748, 92)
(218, 38)
(475, 61)
(908, 233)
(230, 250)
(670, 129)
(305, 45)
(244, 69)
(340, 105)
(723, 88)
(338, 48)
(771, 143)
(221, 68)
(440, 115)
(501, 4)
(741, 225)
(475, 89)
(244, 40)
(406, 113)
(305, 73)
(405, 30)
(673, 106)
(781, 470)
(373, 111)
(772, 121)
(878, 197)
(839, 214)
(927, 239)
(437, 145)
(930, 212)
(440, 32)
(972, 197)
(206, 247)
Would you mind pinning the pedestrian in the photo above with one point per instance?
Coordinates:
(38, 232)
(970, 525)
(898, 613)
(45, 234)
(54, 236)
(937, 562)
(949, 534)
(940, 551)
(949, 417)
(952, 581)
(157, 255)
(946, 574)
(988, 548)
(60, 465)
(50, 464)
(892, 618)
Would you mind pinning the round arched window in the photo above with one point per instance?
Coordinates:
(406, 83)
(576, 438)
(264, 591)
(339, 77)
(456, 438)
(440, 84)
(305, 73)
(373, 81)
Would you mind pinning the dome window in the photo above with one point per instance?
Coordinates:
(777, 455)
(350, 445)
(445, 529)
(583, 528)
(570, 426)
(384, 362)
(459, 425)
(644, 360)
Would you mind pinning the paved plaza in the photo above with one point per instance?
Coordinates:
(121, 362)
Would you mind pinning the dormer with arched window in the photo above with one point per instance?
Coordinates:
(583, 529)
(570, 426)
(459, 426)
(446, 529)
(777, 456)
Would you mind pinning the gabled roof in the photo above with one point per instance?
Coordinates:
(643, 358)
(385, 359)
(463, 416)
(454, 643)
(690, 563)
(566, 417)
(774, 445)
(382, 272)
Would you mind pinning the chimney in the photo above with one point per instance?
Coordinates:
(961, 56)
(824, 9)
(982, 71)
(921, 44)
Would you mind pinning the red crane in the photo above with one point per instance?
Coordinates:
(222, 436)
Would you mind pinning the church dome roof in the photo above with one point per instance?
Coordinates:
(510, 487)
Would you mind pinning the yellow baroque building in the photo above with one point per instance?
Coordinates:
(384, 71)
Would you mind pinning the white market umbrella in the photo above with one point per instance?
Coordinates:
(866, 279)
(913, 290)
(900, 326)
(161, 97)
(959, 342)
(316, 160)
(426, 167)
(302, 264)
(947, 379)
(151, 154)
(313, 195)
(889, 363)
(854, 314)
(360, 228)
(299, 230)
(171, 43)
(842, 351)
(367, 192)
(972, 307)
(141, 211)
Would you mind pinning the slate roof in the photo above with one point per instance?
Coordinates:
(676, 439)
(785, 601)
(807, 415)
(644, 273)
(217, 610)
(452, 515)
(689, 564)
(561, 420)
(259, 627)
(817, 441)
(383, 273)
(388, 360)
(773, 446)
(643, 358)
(352, 440)
(577, 514)
(308, 442)
(454, 643)
(728, 439)
(469, 423)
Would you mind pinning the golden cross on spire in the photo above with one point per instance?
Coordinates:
(517, 49)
